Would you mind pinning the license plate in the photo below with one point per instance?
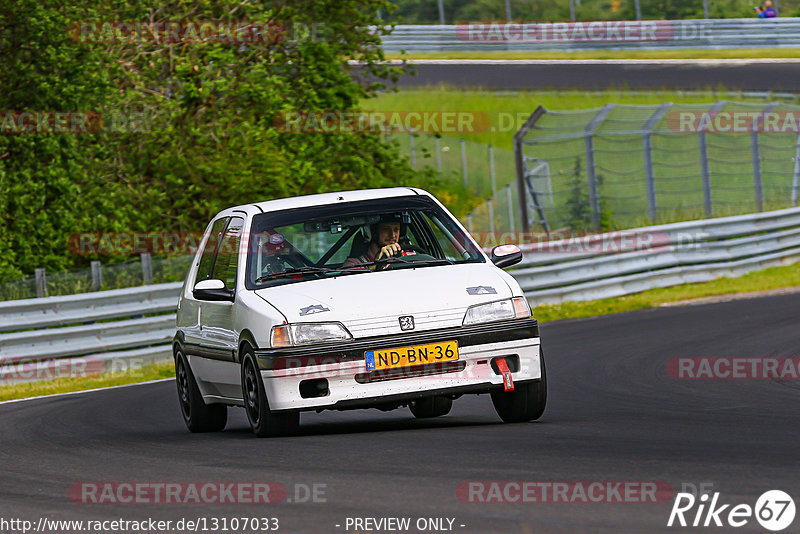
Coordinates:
(391, 358)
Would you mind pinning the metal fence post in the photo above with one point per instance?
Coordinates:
(490, 203)
(705, 9)
(413, 152)
(758, 182)
(572, 10)
(41, 282)
(97, 275)
(796, 174)
(491, 169)
(648, 157)
(588, 132)
(147, 268)
(464, 162)
(441, 12)
(469, 223)
(508, 9)
(638, 9)
(510, 208)
(704, 169)
(438, 155)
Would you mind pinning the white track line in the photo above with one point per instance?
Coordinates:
(86, 391)
(699, 62)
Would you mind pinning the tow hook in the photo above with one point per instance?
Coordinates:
(508, 382)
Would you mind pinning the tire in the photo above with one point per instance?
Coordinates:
(431, 407)
(263, 422)
(525, 403)
(198, 416)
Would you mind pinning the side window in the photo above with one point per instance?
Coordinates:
(210, 250)
(445, 241)
(228, 255)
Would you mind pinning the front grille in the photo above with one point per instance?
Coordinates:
(411, 372)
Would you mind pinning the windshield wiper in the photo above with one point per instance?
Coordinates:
(296, 271)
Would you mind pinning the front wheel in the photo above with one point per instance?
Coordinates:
(198, 416)
(525, 403)
(431, 407)
(263, 422)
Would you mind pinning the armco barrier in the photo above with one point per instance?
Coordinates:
(678, 253)
(593, 35)
(61, 336)
(49, 335)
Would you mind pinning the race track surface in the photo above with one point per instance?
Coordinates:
(613, 415)
(745, 75)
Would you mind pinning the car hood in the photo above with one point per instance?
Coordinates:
(371, 303)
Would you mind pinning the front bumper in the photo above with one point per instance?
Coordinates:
(350, 385)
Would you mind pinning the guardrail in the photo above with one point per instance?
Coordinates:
(620, 263)
(592, 35)
(107, 330)
(88, 333)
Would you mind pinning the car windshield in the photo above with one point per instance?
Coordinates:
(345, 239)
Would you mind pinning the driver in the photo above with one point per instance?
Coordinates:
(385, 241)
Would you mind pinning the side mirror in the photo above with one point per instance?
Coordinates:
(506, 255)
(213, 290)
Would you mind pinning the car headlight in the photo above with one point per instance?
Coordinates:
(501, 310)
(292, 335)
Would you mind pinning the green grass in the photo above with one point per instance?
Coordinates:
(64, 385)
(772, 278)
(766, 279)
(688, 53)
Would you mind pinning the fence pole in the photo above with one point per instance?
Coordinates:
(491, 214)
(491, 169)
(508, 9)
(705, 9)
(413, 152)
(510, 208)
(588, 132)
(438, 155)
(758, 183)
(97, 275)
(648, 157)
(704, 169)
(464, 161)
(147, 268)
(796, 176)
(441, 12)
(638, 8)
(41, 282)
(469, 223)
(572, 10)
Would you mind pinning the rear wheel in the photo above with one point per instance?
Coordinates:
(263, 422)
(198, 416)
(525, 403)
(431, 407)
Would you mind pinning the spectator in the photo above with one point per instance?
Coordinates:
(766, 11)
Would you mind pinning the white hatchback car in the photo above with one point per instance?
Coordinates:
(360, 299)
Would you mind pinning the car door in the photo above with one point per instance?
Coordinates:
(217, 366)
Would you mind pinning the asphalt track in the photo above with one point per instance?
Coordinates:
(744, 75)
(613, 415)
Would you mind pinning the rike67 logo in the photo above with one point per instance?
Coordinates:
(774, 510)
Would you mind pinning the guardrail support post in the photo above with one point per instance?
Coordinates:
(147, 268)
(97, 275)
(648, 157)
(704, 169)
(796, 176)
(464, 162)
(41, 283)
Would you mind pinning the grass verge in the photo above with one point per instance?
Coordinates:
(684, 53)
(772, 278)
(65, 385)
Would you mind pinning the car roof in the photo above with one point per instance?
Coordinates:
(326, 199)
